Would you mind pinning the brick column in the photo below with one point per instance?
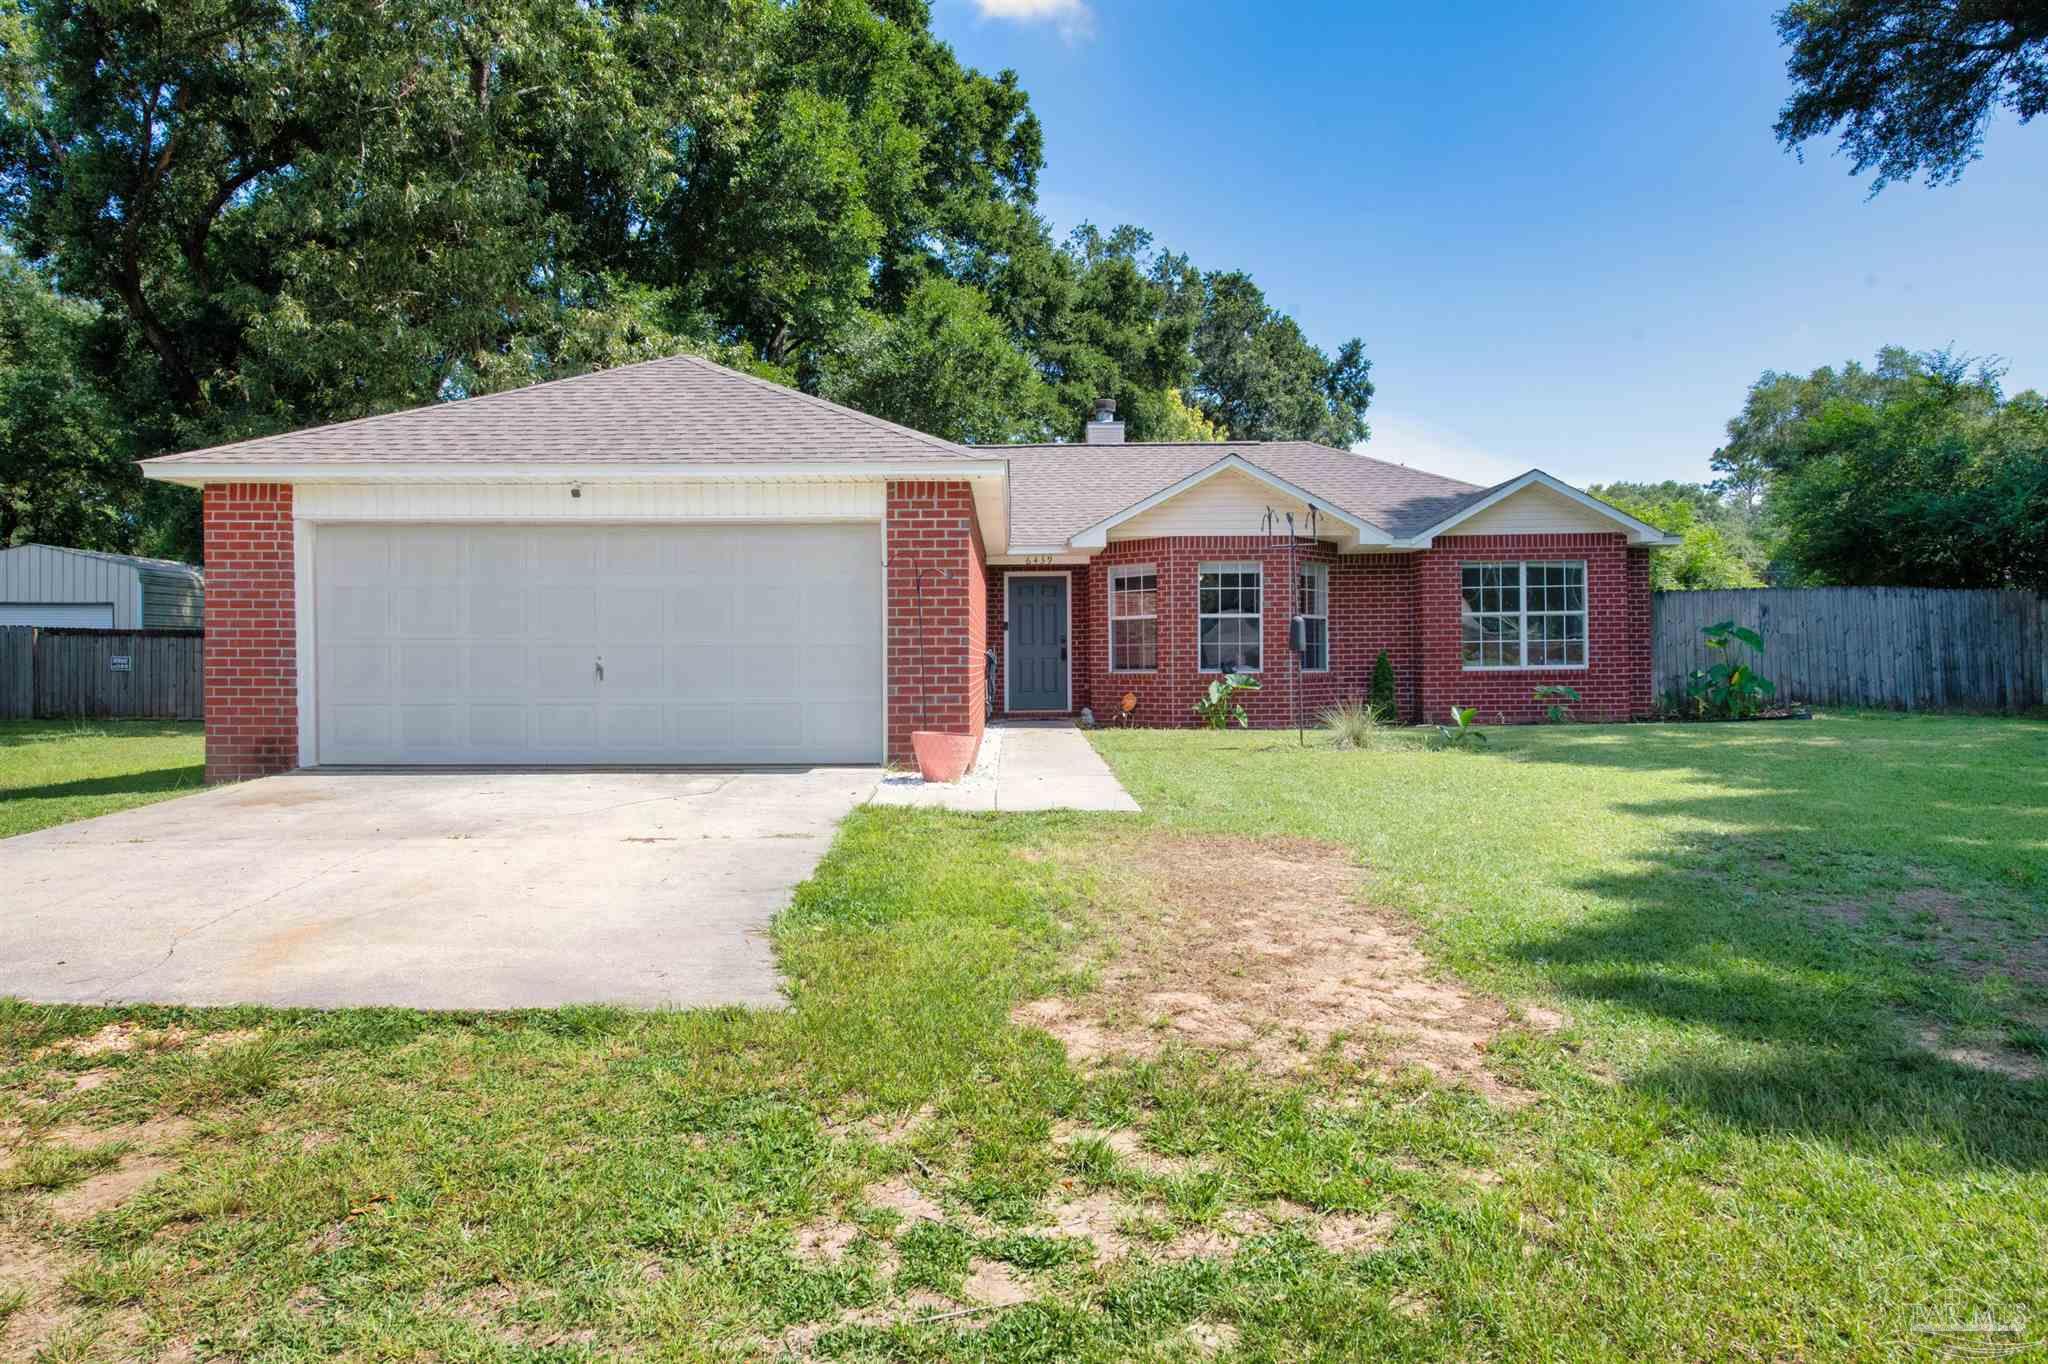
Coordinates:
(936, 678)
(252, 681)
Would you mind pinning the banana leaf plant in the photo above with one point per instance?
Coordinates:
(1219, 707)
(1732, 689)
(1462, 732)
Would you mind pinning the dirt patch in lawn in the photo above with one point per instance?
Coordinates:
(1974, 940)
(1262, 950)
(1989, 1058)
(36, 1272)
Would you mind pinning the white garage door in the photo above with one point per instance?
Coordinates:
(598, 644)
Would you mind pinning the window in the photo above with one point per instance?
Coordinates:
(1312, 601)
(1229, 618)
(1524, 615)
(1133, 620)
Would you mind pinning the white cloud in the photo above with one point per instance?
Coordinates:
(1436, 451)
(1072, 18)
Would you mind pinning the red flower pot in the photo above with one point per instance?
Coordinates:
(943, 757)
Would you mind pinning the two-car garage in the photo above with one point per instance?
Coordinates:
(595, 644)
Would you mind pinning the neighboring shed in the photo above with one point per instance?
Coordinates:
(45, 585)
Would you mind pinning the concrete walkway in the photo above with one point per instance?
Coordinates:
(1049, 766)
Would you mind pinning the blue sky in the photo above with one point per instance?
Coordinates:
(1565, 232)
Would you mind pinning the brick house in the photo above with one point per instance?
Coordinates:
(676, 563)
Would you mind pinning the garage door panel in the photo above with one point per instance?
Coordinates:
(498, 729)
(702, 611)
(496, 672)
(356, 613)
(422, 611)
(437, 728)
(497, 611)
(570, 728)
(565, 556)
(500, 556)
(432, 672)
(360, 559)
(564, 613)
(563, 674)
(359, 671)
(634, 729)
(768, 727)
(631, 612)
(633, 672)
(768, 670)
(720, 644)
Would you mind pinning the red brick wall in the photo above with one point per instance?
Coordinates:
(1614, 684)
(1371, 608)
(935, 667)
(252, 682)
(1377, 601)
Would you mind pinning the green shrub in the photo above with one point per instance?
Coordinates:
(1218, 706)
(1561, 699)
(1733, 690)
(1380, 695)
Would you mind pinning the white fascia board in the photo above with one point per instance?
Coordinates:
(1639, 532)
(1097, 535)
(527, 471)
(1033, 556)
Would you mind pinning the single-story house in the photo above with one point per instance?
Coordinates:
(85, 589)
(676, 563)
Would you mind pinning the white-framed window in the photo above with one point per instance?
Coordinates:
(1527, 615)
(1312, 603)
(1230, 618)
(1134, 619)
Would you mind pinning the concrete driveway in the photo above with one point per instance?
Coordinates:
(437, 890)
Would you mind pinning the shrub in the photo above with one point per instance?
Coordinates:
(1380, 695)
(1352, 724)
(1219, 706)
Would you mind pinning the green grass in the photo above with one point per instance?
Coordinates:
(55, 771)
(1738, 1148)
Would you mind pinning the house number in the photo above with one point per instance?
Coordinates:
(1037, 560)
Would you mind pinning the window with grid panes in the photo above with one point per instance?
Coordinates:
(1230, 618)
(1523, 615)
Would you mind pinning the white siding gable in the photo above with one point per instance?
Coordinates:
(1228, 504)
(1535, 510)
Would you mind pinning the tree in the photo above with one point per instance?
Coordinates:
(62, 480)
(1911, 83)
(1919, 472)
(1713, 551)
(943, 365)
(1259, 377)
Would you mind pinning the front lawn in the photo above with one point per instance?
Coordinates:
(55, 771)
(1752, 1022)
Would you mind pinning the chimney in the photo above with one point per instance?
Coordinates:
(1104, 428)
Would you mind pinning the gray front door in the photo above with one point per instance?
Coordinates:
(1038, 643)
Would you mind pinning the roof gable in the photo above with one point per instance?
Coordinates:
(682, 410)
(1233, 469)
(1478, 511)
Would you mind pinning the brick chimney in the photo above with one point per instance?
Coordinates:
(1104, 428)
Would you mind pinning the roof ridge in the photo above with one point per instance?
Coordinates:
(788, 391)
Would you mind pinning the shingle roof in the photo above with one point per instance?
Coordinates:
(681, 410)
(1058, 490)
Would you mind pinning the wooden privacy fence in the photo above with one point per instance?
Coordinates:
(1906, 648)
(54, 674)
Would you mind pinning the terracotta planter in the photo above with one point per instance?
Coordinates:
(943, 757)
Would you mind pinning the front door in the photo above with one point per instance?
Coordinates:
(1038, 643)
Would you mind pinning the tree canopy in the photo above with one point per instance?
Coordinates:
(1916, 472)
(1912, 84)
(1718, 547)
(254, 215)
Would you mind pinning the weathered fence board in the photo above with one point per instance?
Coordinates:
(1905, 648)
(55, 674)
(17, 672)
